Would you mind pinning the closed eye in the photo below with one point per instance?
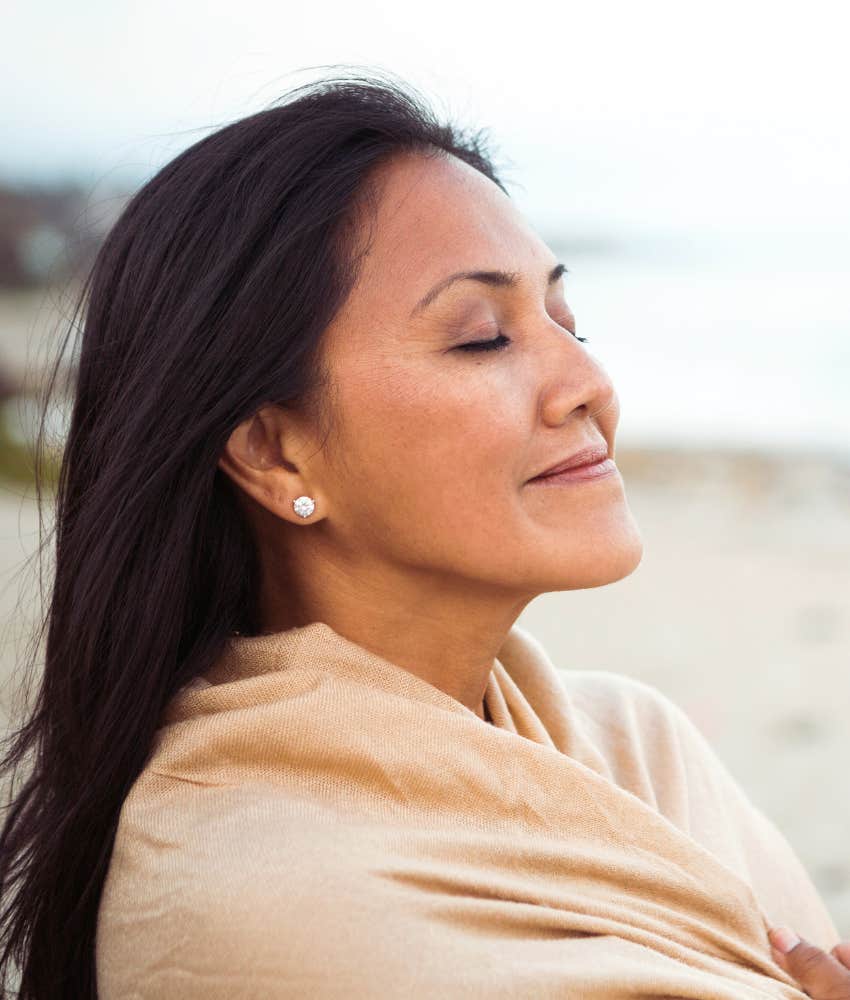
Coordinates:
(498, 343)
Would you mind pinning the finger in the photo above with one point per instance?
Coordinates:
(842, 952)
(779, 958)
(819, 973)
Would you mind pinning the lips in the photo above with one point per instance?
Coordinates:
(587, 456)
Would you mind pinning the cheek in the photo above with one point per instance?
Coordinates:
(439, 441)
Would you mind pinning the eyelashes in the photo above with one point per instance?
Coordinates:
(498, 343)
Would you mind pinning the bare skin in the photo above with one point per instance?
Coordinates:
(427, 541)
(822, 975)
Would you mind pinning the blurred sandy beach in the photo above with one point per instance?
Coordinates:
(739, 611)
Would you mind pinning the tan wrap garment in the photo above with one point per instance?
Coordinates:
(317, 822)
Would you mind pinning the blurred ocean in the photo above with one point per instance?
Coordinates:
(726, 340)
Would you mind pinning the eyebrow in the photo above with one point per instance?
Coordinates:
(498, 279)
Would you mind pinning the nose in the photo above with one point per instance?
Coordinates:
(574, 381)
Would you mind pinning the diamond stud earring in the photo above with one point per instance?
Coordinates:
(303, 506)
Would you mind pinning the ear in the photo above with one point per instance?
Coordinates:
(263, 457)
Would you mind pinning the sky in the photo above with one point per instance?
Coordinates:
(614, 115)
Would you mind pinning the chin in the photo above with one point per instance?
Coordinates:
(607, 563)
(625, 567)
(623, 560)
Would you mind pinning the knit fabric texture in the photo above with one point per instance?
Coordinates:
(315, 821)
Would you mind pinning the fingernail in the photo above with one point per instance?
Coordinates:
(783, 939)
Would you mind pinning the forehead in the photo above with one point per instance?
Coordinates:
(430, 217)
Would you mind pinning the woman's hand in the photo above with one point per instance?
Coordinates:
(823, 975)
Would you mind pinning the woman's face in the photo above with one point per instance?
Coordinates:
(428, 475)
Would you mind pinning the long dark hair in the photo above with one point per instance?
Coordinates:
(207, 299)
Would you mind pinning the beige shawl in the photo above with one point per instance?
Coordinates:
(315, 821)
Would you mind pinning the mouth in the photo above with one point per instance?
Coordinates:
(578, 473)
(585, 458)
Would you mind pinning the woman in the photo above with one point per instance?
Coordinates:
(291, 742)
